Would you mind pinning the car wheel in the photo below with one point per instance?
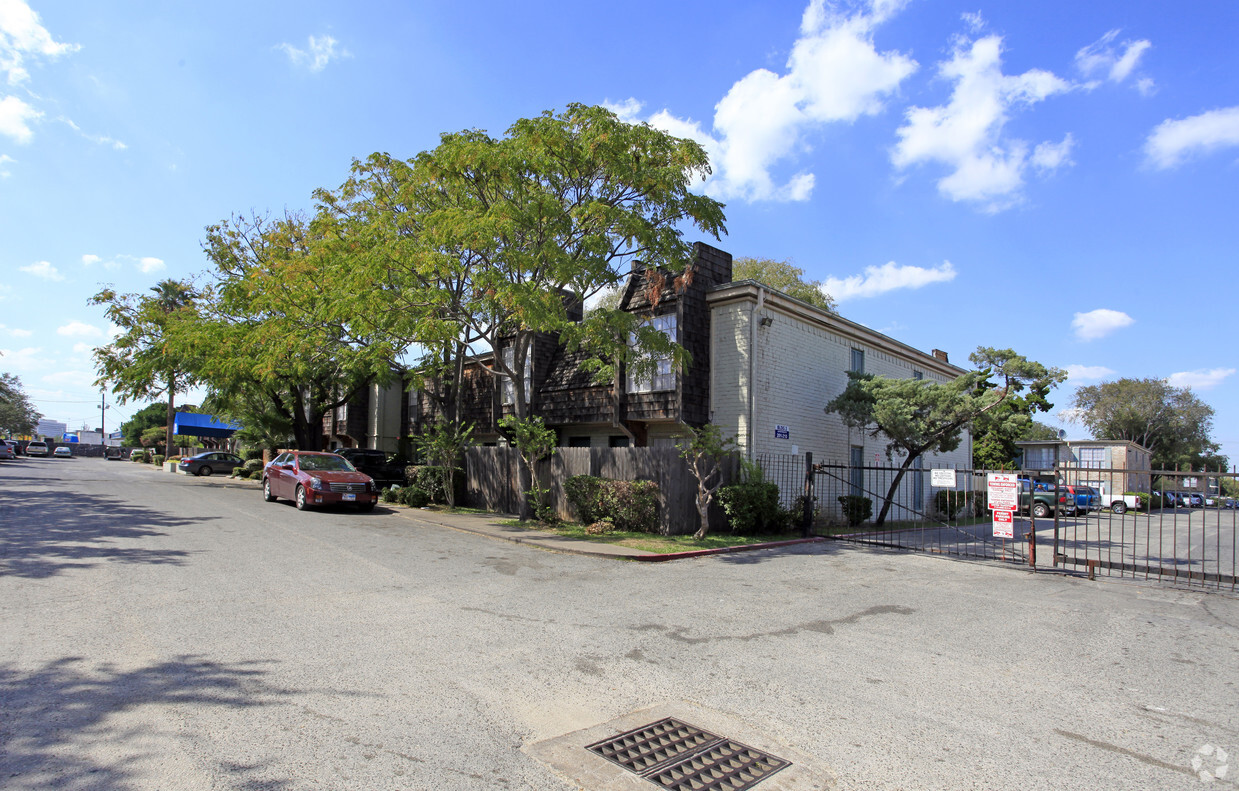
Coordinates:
(366, 506)
(266, 490)
(301, 503)
(1119, 508)
(204, 470)
(1041, 510)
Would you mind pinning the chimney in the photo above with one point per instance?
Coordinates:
(941, 355)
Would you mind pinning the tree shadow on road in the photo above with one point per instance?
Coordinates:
(53, 716)
(44, 533)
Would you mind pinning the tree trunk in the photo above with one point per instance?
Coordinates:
(703, 510)
(167, 445)
(894, 487)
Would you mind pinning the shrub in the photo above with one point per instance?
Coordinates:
(584, 494)
(429, 479)
(252, 454)
(413, 496)
(137, 456)
(255, 475)
(157, 460)
(251, 465)
(1145, 499)
(630, 505)
(856, 508)
(753, 507)
(173, 458)
(948, 502)
(599, 527)
(389, 495)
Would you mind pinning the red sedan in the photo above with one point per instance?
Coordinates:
(308, 478)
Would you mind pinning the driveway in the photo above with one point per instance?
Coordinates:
(166, 632)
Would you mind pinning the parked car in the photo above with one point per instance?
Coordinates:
(310, 478)
(1192, 499)
(7, 450)
(114, 454)
(210, 462)
(36, 448)
(63, 452)
(376, 464)
(1087, 498)
(1046, 499)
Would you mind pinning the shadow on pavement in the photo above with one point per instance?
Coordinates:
(52, 713)
(44, 533)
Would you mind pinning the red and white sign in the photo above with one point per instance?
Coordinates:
(1004, 491)
(1004, 526)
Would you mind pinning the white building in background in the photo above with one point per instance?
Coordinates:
(51, 428)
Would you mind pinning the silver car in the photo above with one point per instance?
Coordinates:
(37, 448)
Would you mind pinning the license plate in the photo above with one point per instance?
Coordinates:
(348, 498)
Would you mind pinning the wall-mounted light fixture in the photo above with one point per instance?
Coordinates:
(766, 321)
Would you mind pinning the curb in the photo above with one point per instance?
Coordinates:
(697, 553)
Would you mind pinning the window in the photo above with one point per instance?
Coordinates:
(918, 375)
(578, 442)
(918, 483)
(857, 473)
(858, 361)
(1093, 458)
(509, 389)
(618, 441)
(664, 377)
(1039, 458)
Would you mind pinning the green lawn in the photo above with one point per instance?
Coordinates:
(654, 543)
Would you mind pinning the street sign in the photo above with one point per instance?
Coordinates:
(782, 432)
(1004, 491)
(944, 479)
(1004, 526)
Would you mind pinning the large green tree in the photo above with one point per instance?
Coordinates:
(272, 325)
(995, 432)
(139, 363)
(782, 276)
(1172, 422)
(918, 416)
(17, 414)
(492, 240)
(148, 417)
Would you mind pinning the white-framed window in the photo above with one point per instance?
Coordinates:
(508, 393)
(918, 375)
(858, 361)
(663, 377)
(1093, 458)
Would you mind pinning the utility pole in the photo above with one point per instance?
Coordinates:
(103, 405)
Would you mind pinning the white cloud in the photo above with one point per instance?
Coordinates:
(1113, 63)
(14, 332)
(83, 348)
(149, 264)
(80, 329)
(73, 379)
(15, 118)
(834, 74)
(966, 133)
(42, 269)
(1099, 323)
(320, 52)
(5, 159)
(22, 36)
(1171, 141)
(1088, 372)
(89, 259)
(25, 359)
(878, 280)
(1200, 380)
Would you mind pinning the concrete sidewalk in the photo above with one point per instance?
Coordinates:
(491, 526)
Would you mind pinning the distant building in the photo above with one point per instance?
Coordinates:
(51, 428)
(1112, 466)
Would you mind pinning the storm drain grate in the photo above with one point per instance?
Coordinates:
(683, 757)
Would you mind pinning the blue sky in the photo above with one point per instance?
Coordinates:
(1056, 177)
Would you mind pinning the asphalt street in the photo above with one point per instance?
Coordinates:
(165, 632)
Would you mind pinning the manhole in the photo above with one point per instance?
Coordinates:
(683, 757)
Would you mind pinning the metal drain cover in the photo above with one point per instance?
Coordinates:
(683, 757)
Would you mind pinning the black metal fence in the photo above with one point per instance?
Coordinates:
(1175, 527)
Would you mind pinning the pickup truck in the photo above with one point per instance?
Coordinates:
(1046, 499)
(1120, 503)
(375, 463)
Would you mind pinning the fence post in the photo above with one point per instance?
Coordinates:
(806, 517)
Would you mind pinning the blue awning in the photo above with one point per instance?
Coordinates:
(197, 425)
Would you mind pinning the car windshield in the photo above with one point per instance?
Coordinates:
(325, 462)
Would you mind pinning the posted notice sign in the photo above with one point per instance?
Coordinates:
(1003, 489)
(941, 478)
(1004, 526)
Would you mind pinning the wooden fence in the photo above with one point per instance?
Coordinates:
(492, 480)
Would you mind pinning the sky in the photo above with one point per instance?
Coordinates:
(1057, 178)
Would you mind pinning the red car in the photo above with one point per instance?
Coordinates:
(308, 478)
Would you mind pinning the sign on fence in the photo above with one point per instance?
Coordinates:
(1004, 524)
(1003, 489)
(942, 478)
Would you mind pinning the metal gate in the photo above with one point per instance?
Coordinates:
(1174, 527)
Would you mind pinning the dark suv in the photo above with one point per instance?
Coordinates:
(376, 464)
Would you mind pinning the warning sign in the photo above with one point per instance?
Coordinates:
(1004, 526)
(1004, 491)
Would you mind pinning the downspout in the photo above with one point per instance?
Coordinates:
(753, 319)
(617, 419)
